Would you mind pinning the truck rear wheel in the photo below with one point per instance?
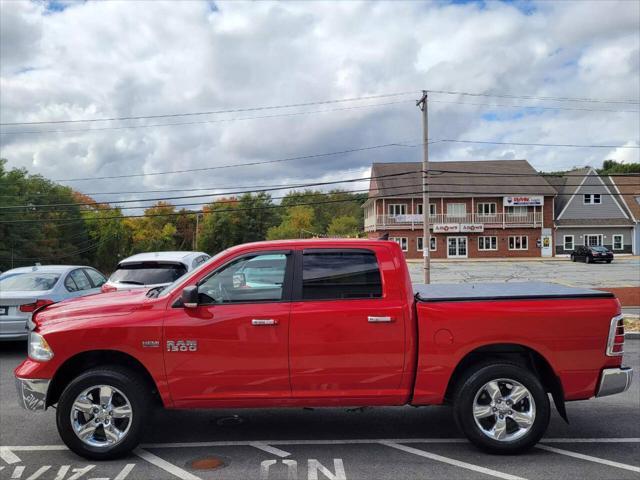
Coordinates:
(101, 413)
(502, 408)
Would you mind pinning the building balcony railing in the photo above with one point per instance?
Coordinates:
(496, 220)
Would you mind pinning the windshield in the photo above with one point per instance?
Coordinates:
(175, 284)
(29, 282)
(599, 249)
(148, 273)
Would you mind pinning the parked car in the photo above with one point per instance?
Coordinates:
(591, 254)
(321, 323)
(28, 288)
(153, 269)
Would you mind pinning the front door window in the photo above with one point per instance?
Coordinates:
(457, 247)
(593, 240)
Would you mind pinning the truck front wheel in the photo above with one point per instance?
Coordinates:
(101, 413)
(502, 408)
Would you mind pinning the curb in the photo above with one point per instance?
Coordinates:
(632, 336)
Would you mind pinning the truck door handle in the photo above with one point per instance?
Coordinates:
(380, 319)
(263, 322)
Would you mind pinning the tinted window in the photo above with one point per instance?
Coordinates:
(96, 277)
(247, 279)
(340, 275)
(148, 273)
(82, 282)
(599, 249)
(29, 282)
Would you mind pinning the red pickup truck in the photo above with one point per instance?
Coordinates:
(321, 323)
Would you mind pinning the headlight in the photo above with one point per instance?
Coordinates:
(39, 349)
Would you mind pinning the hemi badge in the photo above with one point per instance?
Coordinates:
(150, 343)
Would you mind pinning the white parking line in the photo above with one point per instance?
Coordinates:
(164, 465)
(269, 449)
(451, 461)
(364, 441)
(589, 458)
(8, 456)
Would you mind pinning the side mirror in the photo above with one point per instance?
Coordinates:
(189, 296)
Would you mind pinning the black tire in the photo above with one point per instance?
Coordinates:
(588, 259)
(608, 261)
(473, 382)
(573, 257)
(129, 383)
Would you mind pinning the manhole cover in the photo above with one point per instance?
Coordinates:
(230, 421)
(207, 463)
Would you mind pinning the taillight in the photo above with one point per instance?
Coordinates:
(32, 307)
(615, 342)
(107, 288)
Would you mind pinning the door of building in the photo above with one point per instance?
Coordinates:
(457, 247)
(593, 240)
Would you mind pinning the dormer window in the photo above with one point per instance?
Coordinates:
(592, 199)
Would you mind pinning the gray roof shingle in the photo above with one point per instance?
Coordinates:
(459, 179)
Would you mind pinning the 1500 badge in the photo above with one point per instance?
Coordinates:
(182, 345)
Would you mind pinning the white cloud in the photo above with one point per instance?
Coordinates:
(106, 59)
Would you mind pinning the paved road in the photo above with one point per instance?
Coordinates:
(623, 272)
(602, 442)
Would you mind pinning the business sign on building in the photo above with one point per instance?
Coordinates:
(446, 228)
(471, 227)
(523, 201)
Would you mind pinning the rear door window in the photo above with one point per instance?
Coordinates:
(97, 279)
(340, 275)
(81, 280)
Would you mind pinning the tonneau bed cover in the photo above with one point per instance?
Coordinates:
(460, 292)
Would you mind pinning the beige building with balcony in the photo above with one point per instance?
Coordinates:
(478, 209)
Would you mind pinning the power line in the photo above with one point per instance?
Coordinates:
(199, 212)
(199, 122)
(572, 145)
(215, 112)
(315, 194)
(434, 172)
(342, 152)
(235, 165)
(533, 97)
(538, 107)
(216, 194)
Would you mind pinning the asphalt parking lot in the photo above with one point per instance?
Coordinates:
(623, 272)
(602, 442)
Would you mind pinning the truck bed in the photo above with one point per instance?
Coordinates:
(459, 292)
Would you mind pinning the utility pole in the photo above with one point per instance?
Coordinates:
(426, 237)
(195, 234)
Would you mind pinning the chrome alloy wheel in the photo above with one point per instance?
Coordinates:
(504, 410)
(101, 416)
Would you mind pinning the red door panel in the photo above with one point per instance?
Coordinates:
(234, 357)
(337, 351)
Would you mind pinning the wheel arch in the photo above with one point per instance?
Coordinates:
(98, 358)
(514, 352)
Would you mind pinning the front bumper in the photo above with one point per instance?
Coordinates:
(32, 393)
(614, 380)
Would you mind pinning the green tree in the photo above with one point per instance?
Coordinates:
(611, 166)
(328, 205)
(296, 222)
(344, 226)
(112, 237)
(155, 232)
(220, 228)
(39, 233)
